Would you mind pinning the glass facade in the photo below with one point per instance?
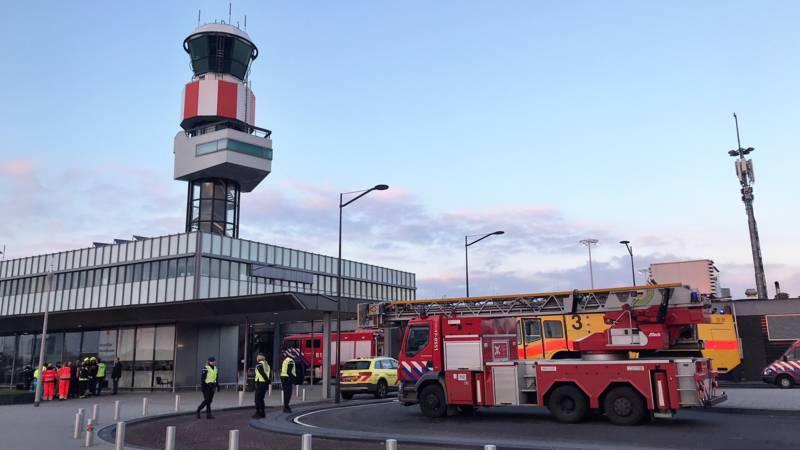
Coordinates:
(189, 266)
(146, 353)
(235, 146)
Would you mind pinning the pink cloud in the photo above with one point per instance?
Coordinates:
(17, 168)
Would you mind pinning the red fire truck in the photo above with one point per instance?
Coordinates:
(459, 354)
(355, 344)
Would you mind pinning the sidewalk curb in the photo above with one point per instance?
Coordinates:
(108, 433)
(753, 411)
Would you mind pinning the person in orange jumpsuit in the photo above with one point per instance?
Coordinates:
(49, 380)
(64, 375)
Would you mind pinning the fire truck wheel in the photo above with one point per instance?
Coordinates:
(382, 390)
(347, 395)
(785, 382)
(624, 406)
(568, 404)
(432, 402)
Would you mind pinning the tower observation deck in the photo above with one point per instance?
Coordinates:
(220, 152)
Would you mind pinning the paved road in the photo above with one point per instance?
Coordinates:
(202, 434)
(533, 428)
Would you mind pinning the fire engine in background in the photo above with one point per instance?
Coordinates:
(355, 344)
(465, 353)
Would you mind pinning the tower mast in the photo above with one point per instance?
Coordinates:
(744, 171)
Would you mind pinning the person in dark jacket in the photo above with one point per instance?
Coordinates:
(116, 374)
(209, 385)
(74, 389)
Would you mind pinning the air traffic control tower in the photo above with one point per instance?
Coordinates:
(220, 152)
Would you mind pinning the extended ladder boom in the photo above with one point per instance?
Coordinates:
(374, 315)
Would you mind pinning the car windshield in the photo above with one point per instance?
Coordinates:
(357, 365)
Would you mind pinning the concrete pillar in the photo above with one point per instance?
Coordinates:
(277, 346)
(387, 342)
(326, 355)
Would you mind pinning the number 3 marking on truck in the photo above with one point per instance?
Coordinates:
(577, 325)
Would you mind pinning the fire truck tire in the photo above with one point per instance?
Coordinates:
(784, 382)
(347, 395)
(432, 402)
(382, 390)
(624, 406)
(568, 404)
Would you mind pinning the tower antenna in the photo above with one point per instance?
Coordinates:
(744, 171)
(245, 22)
(230, 5)
(198, 17)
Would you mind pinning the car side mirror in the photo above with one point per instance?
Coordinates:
(784, 358)
(429, 365)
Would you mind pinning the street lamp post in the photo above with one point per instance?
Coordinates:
(630, 252)
(48, 280)
(342, 204)
(589, 243)
(467, 244)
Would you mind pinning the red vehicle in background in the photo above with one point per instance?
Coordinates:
(785, 372)
(355, 344)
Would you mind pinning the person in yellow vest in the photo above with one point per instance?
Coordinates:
(263, 377)
(209, 385)
(288, 374)
(100, 378)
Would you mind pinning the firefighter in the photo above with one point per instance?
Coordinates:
(209, 384)
(100, 378)
(92, 375)
(288, 374)
(64, 376)
(49, 382)
(83, 379)
(263, 377)
(74, 391)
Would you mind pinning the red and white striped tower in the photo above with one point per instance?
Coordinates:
(220, 152)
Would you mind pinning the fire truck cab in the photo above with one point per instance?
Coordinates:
(460, 363)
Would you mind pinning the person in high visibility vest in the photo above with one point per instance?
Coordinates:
(100, 377)
(209, 385)
(64, 375)
(36, 379)
(49, 382)
(288, 374)
(263, 377)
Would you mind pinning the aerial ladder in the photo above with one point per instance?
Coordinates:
(461, 353)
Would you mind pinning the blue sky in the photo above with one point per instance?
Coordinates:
(552, 120)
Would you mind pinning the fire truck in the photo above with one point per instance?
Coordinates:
(459, 354)
(355, 344)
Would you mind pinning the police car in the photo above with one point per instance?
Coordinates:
(785, 372)
(376, 376)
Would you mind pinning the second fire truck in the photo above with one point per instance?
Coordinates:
(459, 354)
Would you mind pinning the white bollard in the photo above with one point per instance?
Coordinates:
(233, 440)
(144, 406)
(89, 434)
(177, 403)
(306, 442)
(95, 412)
(490, 447)
(116, 410)
(241, 398)
(304, 394)
(119, 438)
(391, 444)
(270, 390)
(76, 434)
(296, 390)
(170, 442)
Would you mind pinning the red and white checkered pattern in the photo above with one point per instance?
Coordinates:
(219, 98)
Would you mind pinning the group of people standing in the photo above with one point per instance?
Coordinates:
(262, 377)
(78, 379)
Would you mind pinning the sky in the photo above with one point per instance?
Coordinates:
(552, 121)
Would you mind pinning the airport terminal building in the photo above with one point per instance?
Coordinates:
(163, 304)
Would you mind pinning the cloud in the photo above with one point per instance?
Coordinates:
(20, 168)
(48, 209)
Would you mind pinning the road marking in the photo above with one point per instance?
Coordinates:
(297, 420)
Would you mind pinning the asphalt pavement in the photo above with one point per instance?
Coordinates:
(534, 428)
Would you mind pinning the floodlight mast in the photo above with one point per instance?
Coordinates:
(744, 171)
